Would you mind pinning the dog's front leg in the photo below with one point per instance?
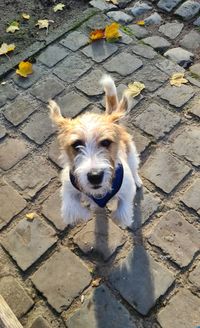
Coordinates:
(72, 210)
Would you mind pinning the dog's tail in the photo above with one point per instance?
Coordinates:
(112, 103)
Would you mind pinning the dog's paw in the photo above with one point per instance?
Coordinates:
(122, 218)
(138, 181)
(74, 217)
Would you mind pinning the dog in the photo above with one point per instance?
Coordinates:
(100, 160)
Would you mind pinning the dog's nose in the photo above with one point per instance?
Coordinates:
(95, 177)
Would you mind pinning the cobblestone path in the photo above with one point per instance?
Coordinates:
(96, 274)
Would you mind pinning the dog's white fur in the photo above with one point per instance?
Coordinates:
(91, 156)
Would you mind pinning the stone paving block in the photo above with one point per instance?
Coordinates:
(72, 68)
(39, 128)
(7, 92)
(47, 89)
(19, 110)
(152, 77)
(11, 203)
(11, 152)
(120, 17)
(27, 82)
(3, 131)
(97, 22)
(28, 240)
(101, 236)
(195, 69)
(194, 276)
(90, 85)
(191, 196)
(126, 39)
(66, 275)
(51, 209)
(157, 42)
(139, 31)
(176, 237)
(101, 309)
(102, 5)
(139, 9)
(99, 51)
(177, 97)
(15, 295)
(141, 141)
(141, 280)
(54, 153)
(164, 170)
(187, 144)
(156, 120)
(75, 40)
(40, 322)
(171, 30)
(72, 104)
(33, 176)
(188, 9)
(180, 56)
(168, 67)
(195, 110)
(52, 55)
(145, 205)
(191, 40)
(168, 5)
(123, 64)
(178, 314)
(123, 3)
(144, 51)
(197, 22)
(153, 19)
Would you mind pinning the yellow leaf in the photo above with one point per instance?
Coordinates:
(96, 282)
(115, 2)
(14, 26)
(59, 6)
(112, 31)
(178, 79)
(25, 16)
(5, 48)
(30, 216)
(24, 69)
(141, 22)
(97, 34)
(43, 23)
(134, 89)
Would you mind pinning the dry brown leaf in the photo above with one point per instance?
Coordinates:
(43, 23)
(112, 32)
(24, 69)
(134, 89)
(13, 27)
(5, 48)
(59, 6)
(25, 16)
(96, 282)
(178, 79)
(31, 216)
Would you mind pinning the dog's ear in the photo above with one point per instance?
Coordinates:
(56, 116)
(110, 93)
(123, 106)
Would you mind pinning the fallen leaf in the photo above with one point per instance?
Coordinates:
(25, 16)
(140, 22)
(14, 26)
(82, 298)
(31, 216)
(178, 79)
(115, 2)
(96, 282)
(59, 6)
(97, 35)
(5, 48)
(43, 23)
(134, 89)
(112, 32)
(24, 69)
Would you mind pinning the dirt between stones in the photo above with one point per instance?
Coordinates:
(11, 10)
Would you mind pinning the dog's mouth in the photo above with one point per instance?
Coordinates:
(96, 187)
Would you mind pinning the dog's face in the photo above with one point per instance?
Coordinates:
(91, 143)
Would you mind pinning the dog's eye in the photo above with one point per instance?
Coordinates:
(77, 144)
(105, 143)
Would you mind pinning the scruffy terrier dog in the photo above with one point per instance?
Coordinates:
(101, 160)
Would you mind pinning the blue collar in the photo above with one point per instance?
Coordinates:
(116, 185)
